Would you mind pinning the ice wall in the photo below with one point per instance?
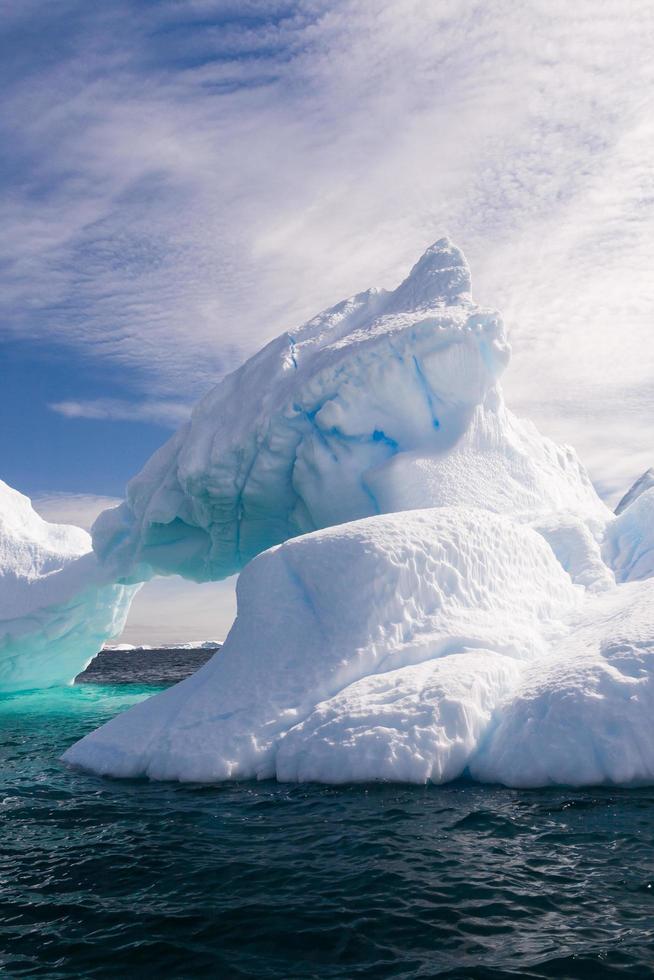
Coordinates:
(57, 605)
(629, 540)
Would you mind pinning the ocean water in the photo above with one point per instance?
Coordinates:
(129, 879)
(149, 666)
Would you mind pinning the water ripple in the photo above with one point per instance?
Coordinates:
(133, 879)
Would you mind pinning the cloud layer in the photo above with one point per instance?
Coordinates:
(187, 179)
(72, 508)
(162, 411)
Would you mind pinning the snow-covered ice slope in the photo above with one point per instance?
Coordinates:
(413, 647)
(505, 629)
(388, 401)
(583, 715)
(322, 620)
(56, 605)
(629, 541)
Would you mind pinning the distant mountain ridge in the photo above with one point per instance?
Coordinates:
(199, 645)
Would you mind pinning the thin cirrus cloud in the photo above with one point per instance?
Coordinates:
(164, 412)
(73, 508)
(188, 179)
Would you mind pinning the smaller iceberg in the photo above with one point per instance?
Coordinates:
(57, 606)
(414, 647)
(643, 483)
(629, 542)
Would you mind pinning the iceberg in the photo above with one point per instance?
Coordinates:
(643, 483)
(414, 647)
(57, 604)
(429, 587)
(629, 540)
(387, 402)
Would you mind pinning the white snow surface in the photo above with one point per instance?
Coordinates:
(414, 647)
(335, 627)
(57, 606)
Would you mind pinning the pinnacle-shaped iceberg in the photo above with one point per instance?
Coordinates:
(430, 588)
(444, 600)
(386, 402)
(440, 276)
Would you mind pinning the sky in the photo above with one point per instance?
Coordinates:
(182, 180)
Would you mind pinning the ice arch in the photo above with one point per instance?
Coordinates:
(387, 402)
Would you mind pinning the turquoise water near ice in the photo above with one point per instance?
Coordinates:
(102, 878)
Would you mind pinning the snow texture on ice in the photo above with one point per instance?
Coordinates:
(322, 621)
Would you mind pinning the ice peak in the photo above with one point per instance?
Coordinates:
(440, 277)
(643, 483)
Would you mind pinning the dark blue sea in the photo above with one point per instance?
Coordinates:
(132, 879)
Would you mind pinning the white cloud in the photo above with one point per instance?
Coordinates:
(188, 194)
(168, 413)
(173, 610)
(72, 508)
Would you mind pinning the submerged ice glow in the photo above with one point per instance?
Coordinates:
(429, 586)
